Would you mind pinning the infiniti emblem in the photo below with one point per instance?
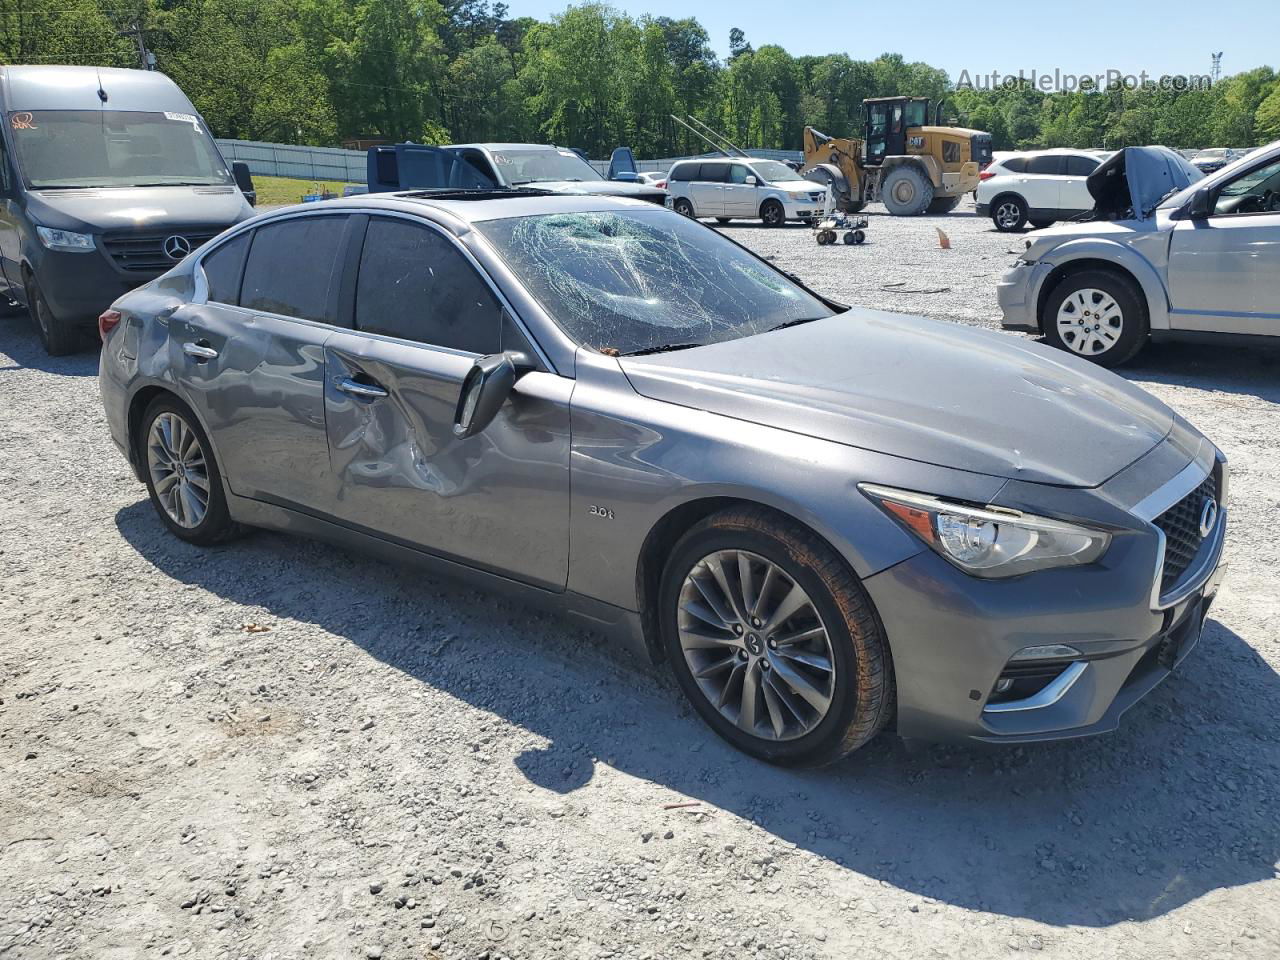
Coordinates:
(1208, 516)
(176, 247)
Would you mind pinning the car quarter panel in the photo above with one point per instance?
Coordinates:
(636, 459)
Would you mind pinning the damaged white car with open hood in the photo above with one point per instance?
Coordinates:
(1167, 254)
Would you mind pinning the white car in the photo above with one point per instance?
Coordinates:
(1040, 186)
(744, 188)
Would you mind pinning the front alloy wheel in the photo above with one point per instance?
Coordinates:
(756, 645)
(773, 639)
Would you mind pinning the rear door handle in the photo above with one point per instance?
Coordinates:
(365, 391)
(200, 350)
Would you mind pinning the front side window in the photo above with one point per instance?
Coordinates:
(223, 269)
(1257, 191)
(636, 280)
(113, 148)
(773, 171)
(293, 266)
(416, 285)
(738, 173)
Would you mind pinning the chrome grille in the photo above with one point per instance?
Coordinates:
(1181, 526)
(144, 252)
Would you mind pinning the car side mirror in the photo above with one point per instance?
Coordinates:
(244, 180)
(485, 389)
(751, 181)
(1199, 207)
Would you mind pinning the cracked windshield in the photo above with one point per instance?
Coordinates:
(646, 281)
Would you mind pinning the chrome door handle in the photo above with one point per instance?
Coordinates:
(365, 391)
(200, 351)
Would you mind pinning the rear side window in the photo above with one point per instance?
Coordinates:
(683, 172)
(1080, 166)
(1051, 164)
(713, 172)
(416, 285)
(1014, 165)
(293, 266)
(224, 267)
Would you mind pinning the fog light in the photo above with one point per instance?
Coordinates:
(1048, 651)
(1003, 684)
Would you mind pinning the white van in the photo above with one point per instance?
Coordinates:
(744, 188)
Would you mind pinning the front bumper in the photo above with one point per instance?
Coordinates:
(79, 286)
(804, 209)
(953, 637)
(1017, 292)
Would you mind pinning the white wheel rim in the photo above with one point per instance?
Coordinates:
(1090, 322)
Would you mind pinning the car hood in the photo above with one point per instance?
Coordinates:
(935, 392)
(95, 210)
(1136, 179)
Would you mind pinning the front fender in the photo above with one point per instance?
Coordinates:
(1112, 254)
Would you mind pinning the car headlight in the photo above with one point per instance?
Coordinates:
(65, 240)
(990, 541)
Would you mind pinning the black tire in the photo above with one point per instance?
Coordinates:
(862, 698)
(943, 204)
(859, 236)
(1041, 224)
(217, 525)
(906, 191)
(772, 213)
(723, 219)
(59, 337)
(850, 239)
(1134, 328)
(1009, 213)
(683, 207)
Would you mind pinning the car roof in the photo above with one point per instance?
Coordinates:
(1051, 151)
(54, 87)
(506, 146)
(460, 209)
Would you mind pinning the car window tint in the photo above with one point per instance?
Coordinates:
(1080, 166)
(738, 173)
(416, 285)
(224, 267)
(1014, 164)
(1051, 164)
(682, 171)
(713, 172)
(292, 266)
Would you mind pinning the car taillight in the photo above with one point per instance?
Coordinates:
(108, 320)
(986, 174)
(661, 184)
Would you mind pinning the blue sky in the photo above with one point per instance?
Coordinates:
(1175, 36)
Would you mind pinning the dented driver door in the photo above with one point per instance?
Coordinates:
(499, 500)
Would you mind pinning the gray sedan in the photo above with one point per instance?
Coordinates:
(822, 519)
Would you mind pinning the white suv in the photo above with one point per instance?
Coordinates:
(1040, 186)
(744, 188)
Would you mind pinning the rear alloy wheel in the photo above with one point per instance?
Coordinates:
(773, 640)
(683, 207)
(181, 474)
(59, 337)
(772, 214)
(1097, 315)
(1009, 214)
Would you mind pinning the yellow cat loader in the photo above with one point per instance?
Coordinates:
(907, 164)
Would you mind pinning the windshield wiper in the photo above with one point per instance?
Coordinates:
(662, 348)
(794, 323)
(181, 183)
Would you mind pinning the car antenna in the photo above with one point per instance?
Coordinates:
(102, 94)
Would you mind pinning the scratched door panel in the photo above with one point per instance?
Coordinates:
(498, 500)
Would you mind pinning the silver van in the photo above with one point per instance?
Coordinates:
(744, 188)
(107, 179)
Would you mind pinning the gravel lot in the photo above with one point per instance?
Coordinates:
(277, 749)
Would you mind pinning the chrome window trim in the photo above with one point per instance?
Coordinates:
(1053, 691)
(200, 295)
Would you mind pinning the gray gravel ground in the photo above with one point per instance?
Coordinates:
(277, 749)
